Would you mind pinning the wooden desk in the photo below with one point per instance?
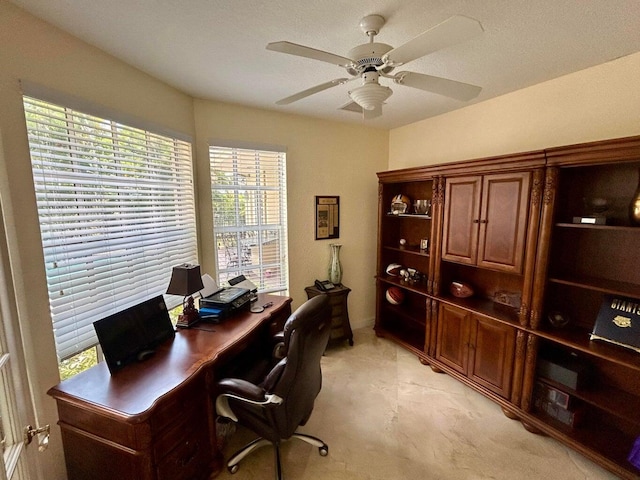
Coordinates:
(155, 420)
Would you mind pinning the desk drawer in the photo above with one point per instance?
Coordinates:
(185, 425)
(172, 410)
(189, 459)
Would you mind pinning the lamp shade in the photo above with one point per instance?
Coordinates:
(370, 95)
(185, 280)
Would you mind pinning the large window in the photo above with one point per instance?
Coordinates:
(117, 211)
(249, 194)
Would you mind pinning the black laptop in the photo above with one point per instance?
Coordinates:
(133, 334)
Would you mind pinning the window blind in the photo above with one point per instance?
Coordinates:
(250, 216)
(116, 209)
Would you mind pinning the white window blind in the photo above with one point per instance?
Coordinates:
(116, 209)
(249, 193)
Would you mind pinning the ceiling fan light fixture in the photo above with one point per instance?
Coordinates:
(370, 95)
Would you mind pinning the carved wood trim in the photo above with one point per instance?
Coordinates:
(529, 372)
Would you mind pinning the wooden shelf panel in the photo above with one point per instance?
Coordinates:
(408, 215)
(484, 307)
(611, 400)
(419, 288)
(408, 335)
(620, 228)
(601, 439)
(413, 250)
(578, 339)
(602, 285)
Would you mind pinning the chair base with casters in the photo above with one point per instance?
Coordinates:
(236, 458)
(282, 401)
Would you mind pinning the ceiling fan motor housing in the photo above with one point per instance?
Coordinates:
(368, 55)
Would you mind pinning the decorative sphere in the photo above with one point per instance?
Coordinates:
(394, 295)
(403, 242)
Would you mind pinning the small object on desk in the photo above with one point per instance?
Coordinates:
(403, 242)
(340, 326)
(260, 308)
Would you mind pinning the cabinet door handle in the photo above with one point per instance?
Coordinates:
(476, 221)
(484, 221)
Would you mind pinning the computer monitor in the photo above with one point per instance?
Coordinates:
(134, 333)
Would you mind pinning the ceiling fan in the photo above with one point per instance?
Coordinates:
(373, 60)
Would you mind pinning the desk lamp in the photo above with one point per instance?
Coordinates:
(186, 280)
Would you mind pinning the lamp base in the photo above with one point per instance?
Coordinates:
(187, 319)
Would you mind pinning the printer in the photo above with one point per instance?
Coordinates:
(218, 303)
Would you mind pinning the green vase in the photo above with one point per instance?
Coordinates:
(335, 268)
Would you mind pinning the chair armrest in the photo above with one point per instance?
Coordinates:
(242, 391)
(240, 388)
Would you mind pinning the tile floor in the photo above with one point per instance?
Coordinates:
(386, 416)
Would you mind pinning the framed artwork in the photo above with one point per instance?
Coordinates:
(327, 217)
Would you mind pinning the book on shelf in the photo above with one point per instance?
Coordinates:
(618, 322)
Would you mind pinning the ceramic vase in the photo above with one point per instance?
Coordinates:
(335, 268)
(634, 206)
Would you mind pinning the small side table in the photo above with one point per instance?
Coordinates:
(340, 326)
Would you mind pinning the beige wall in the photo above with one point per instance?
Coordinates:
(593, 104)
(324, 158)
(31, 50)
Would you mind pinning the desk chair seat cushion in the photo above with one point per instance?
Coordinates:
(294, 382)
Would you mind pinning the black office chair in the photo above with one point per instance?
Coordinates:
(284, 399)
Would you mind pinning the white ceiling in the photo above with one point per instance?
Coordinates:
(215, 49)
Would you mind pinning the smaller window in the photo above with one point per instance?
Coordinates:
(248, 189)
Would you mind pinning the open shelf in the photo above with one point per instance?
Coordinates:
(409, 215)
(406, 327)
(600, 438)
(578, 339)
(411, 249)
(620, 228)
(611, 400)
(418, 287)
(484, 307)
(602, 285)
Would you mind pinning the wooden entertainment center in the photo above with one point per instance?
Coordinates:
(505, 227)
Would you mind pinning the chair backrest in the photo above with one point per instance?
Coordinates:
(297, 379)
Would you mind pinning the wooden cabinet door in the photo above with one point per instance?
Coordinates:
(503, 221)
(491, 355)
(461, 219)
(453, 337)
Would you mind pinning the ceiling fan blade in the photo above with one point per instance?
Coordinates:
(311, 91)
(454, 30)
(439, 85)
(308, 52)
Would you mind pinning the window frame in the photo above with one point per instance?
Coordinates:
(256, 201)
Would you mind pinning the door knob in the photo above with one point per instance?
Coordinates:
(30, 432)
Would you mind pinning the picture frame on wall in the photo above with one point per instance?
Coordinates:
(327, 217)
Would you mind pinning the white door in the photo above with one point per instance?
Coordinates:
(18, 460)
